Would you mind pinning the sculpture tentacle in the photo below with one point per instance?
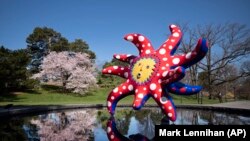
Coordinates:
(171, 44)
(116, 70)
(191, 58)
(182, 89)
(141, 96)
(141, 42)
(173, 75)
(124, 57)
(117, 94)
(165, 103)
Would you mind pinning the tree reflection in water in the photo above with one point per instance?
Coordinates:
(77, 125)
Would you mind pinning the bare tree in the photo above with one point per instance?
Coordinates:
(229, 46)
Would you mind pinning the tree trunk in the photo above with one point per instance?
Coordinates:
(209, 73)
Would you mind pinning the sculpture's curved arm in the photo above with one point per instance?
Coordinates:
(141, 42)
(182, 89)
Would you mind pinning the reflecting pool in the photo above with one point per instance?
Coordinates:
(96, 124)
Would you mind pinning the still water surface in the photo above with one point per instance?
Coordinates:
(94, 124)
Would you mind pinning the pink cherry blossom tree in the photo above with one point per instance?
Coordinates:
(74, 71)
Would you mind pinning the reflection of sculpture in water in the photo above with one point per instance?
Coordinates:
(114, 135)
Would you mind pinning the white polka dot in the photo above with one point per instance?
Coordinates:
(176, 34)
(123, 87)
(163, 107)
(165, 59)
(122, 68)
(170, 114)
(158, 74)
(128, 55)
(137, 45)
(140, 96)
(109, 71)
(172, 40)
(155, 95)
(127, 80)
(119, 73)
(162, 51)
(141, 50)
(135, 34)
(143, 45)
(163, 68)
(115, 90)
(170, 107)
(170, 47)
(149, 44)
(188, 55)
(164, 74)
(104, 69)
(112, 97)
(147, 51)
(109, 103)
(130, 87)
(120, 92)
(160, 90)
(112, 136)
(117, 56)
(164, 45)
(126, 74)
(167, 65)
(173, 26)
(109, 130)
(136, 90)
(163, 100)
(130, 38)
(176, 61)
(152, 86)
(115, 67)
(141, 38)
(159, 81)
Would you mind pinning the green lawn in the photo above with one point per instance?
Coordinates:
(99, 96)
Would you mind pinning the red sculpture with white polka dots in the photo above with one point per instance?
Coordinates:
(154, 73)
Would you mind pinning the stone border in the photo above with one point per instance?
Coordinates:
(33, 110)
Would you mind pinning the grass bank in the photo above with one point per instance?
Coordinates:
(98, 96)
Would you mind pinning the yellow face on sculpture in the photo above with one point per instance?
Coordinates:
(143, 69)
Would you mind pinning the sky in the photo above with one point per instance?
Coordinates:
(104, 23)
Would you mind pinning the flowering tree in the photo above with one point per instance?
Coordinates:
(73, 70)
